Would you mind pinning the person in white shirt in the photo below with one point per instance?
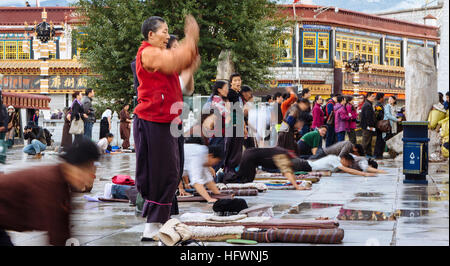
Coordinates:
(198, 162)
(104, 143)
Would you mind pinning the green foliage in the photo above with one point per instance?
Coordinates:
(247, 27)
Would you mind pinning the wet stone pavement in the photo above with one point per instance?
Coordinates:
(372, 210)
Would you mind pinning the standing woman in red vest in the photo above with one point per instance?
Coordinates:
(157, 156)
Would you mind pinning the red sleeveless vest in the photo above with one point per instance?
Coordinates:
(157, 92)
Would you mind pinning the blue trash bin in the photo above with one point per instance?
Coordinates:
(415, 151)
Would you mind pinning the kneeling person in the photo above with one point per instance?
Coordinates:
(198, 162)
(104, 144)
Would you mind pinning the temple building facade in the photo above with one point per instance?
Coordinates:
(21, 57)
(315, 55)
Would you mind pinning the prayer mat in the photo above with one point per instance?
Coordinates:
(113, 200)
(241, 192)
(260, 187)
(313, 179)
(282, 185)
(201, 199)
(277, 223)
(313, 236)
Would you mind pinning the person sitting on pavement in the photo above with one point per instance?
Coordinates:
(36, 139)
(198, 163)
(104, 144)
(312, 141)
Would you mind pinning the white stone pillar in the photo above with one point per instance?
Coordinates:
(115, 129)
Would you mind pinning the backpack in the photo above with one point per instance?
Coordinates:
(330, 119)
(48, 137)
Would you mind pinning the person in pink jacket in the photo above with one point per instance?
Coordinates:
(351, 124)
(317, 112)
(341, 118)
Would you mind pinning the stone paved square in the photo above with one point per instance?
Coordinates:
(421, 214)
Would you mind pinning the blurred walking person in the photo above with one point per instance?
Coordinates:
(42, 202)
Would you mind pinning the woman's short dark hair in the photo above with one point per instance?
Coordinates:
(246, 88)
(380, 96)
(218, 85)
(151, 24)
(109, 135)
(303, 100)
(84, 152)
(348, 157)
(233, 76)
(373, 163)
(75, 94)
(304, 91)
(395, 99)
(172, 39)
(216, 151)
(359, 148)
(441, 97)
(87, 91)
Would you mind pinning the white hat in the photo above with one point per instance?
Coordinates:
(11, 107)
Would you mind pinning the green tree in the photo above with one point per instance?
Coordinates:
(248, 28)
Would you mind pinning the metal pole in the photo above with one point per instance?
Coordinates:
(297, 41)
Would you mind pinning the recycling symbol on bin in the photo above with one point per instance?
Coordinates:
(412, 156)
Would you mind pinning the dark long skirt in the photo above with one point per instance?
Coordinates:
(157, 168)
(251, 159)
(233, 154)
(125, 135)
(104, 127)
(66, 140)
(174, 210)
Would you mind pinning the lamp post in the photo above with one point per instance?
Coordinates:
(355, 64)
(44, 33)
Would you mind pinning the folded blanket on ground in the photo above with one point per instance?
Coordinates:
(315, 236)
(226, 219)
(206, 232)
(241, 192)
(205, 218)
(260, 187)
(201, 199)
